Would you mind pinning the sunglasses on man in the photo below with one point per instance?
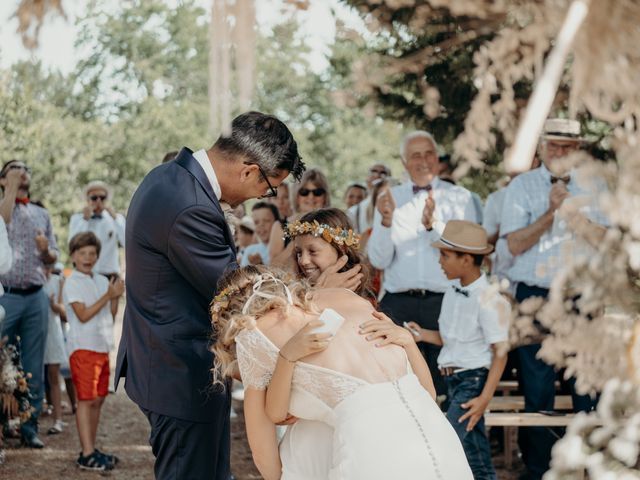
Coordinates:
(95, 198)
(317, 192)
(375, 171)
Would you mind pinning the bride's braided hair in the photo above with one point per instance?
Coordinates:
(227, 318)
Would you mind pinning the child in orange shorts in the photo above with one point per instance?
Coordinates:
(91, 301)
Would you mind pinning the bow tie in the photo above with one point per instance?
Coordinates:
(417, 189)
(22, 201)
(461, 291)
(96, 216)
(566, 179)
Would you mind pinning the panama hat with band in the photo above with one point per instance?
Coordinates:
(97, 185)
(464, 237)
(561, 129)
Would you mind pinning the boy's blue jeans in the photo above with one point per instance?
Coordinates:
(462, 387)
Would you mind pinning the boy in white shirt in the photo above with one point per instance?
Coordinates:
(91, 300)
(473, 322)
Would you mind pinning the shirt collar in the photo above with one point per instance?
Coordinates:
(546, 174)
(435, 183)
(477, 284)
(78, 273)
(203, 159)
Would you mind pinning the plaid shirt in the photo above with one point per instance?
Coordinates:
(526, 200)
(27, 269)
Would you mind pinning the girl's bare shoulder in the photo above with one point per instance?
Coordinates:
(339, 297)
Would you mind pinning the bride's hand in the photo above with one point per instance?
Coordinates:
(387, 332)
(305, 342)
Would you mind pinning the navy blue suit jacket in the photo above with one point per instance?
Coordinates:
(178, 245)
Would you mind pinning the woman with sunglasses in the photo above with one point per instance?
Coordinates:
(310, 194)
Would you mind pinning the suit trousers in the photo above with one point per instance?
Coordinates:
(425, 311)
(187, 450)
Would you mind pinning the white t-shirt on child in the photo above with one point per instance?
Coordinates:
(96, 334)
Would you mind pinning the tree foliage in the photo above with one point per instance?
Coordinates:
(140, 90)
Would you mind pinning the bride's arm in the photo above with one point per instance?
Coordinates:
(383, 331)
(302, 344)
(261, 434)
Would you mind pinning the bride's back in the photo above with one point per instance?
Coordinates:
(349, 352)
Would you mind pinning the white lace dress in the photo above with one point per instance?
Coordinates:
(350, 429)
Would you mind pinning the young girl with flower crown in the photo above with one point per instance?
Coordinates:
(327, 252)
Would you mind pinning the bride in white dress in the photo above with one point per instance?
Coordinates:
(371, 406)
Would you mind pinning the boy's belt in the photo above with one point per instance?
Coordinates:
(448, 371)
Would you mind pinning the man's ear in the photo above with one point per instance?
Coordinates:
(247, 171)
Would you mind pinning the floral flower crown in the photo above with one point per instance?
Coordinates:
(222, 300)
(329, 234)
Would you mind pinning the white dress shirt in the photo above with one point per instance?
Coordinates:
(526, 200)
(358, 216)
(110, 232)
(404, 250)
(6, 254)
(96, 334)
(203, 159)
(471, 323)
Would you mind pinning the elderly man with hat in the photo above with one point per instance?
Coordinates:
(100, 218)
(539, 240)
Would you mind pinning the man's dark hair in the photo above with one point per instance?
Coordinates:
(477, 258)
(265, 141)
(169, 156)
(269, 206)
(84, 239)
(5, 167)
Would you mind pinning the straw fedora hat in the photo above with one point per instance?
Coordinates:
(464, 236)
(97, 185)
(561, 129)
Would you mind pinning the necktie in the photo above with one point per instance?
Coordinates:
(22, 201)
(461, 291)
(566, 179)
(417, 189)
(96, 216)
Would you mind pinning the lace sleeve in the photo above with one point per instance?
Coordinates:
(256, 359)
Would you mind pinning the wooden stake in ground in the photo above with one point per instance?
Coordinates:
(524, 147)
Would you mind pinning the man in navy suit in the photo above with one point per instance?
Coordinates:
(178, 245)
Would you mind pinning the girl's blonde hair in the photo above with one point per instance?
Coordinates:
(228, 319)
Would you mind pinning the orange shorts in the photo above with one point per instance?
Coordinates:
(90, 374)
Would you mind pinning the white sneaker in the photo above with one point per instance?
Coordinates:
(57, 427)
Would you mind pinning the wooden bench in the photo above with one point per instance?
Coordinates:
(516, 403)
(509, 421)
(526, 419)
